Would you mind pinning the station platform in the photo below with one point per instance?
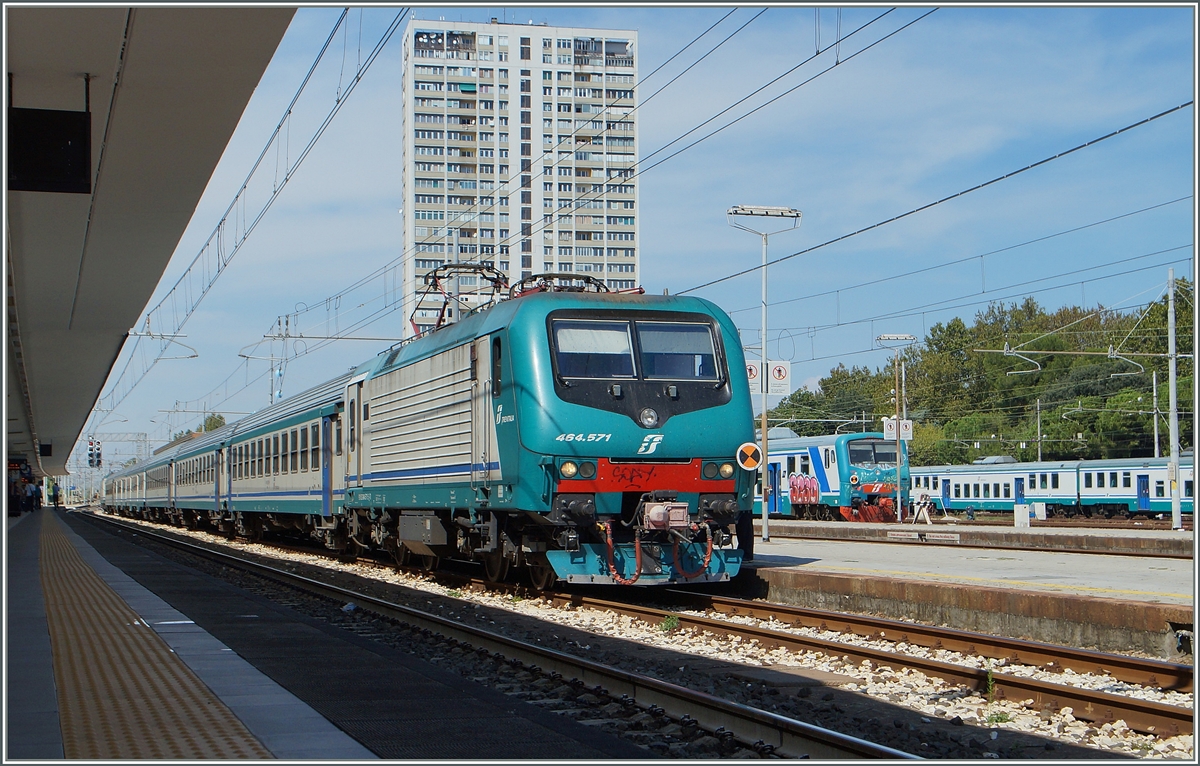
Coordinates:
(1118, 541)
(117, 653)
(1115, 603)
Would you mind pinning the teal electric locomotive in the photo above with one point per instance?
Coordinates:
(583, 435)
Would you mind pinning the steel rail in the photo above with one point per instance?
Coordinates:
(749, 725)
(1099, 707)
(1147, 672)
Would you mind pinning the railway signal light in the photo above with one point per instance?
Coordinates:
(91, 453)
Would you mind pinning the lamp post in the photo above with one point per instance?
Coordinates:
(899, 396)
(793, 218)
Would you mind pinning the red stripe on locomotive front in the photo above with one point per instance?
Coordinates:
(647, 477)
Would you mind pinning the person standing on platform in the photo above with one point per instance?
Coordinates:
(54, 494)
(29, 491)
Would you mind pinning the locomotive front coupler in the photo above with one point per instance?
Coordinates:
(660, 511)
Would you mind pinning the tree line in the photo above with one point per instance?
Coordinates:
(966, 403)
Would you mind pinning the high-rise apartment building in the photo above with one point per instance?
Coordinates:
(520, 144)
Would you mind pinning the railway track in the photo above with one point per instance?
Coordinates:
(754, 727)
(1094, 706)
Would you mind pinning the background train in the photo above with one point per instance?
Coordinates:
(1125, 487)
(583, 436)
(849, 477)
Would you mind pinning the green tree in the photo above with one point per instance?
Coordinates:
(213, 422)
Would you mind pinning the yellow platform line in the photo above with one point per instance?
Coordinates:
(993, 580)
(122, 692)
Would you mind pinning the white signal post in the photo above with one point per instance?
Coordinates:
(794, 216)
(899, 394)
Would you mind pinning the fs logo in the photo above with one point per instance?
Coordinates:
(501, 417)
(649, 444)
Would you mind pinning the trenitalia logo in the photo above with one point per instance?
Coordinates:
(649, 444)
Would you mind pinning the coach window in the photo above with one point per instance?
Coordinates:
(996, 490)
(275, 454)
(337, 437)
(1187, 488)
(295, 453)
(976, 490)
(260, 457)
(1100, 479)
(935, 482)
(304, 449)
(283, 452)
(1159, 489)
(1125, 480)
(987, 490)
(827, 457)
(1112, 479)
(1087, 481)
(353, 409)
(316, 444)
(1007, 490)
(957, 492)
(1054, 481)
(1043, 481)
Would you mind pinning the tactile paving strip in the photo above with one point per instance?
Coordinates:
(122, 693)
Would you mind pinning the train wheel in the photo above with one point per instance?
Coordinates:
(495, 567)
(542, 575)
(428, 563)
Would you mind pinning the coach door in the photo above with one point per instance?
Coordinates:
(328, 475)
(481, 408)
(354, 430)
(220, 472)
(773, 497)
(1018, 491)
(1143, 487)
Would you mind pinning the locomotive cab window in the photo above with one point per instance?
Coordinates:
(863, 452)
(593, 349)
(677, 351)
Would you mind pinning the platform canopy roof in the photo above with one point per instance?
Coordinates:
(165, 87)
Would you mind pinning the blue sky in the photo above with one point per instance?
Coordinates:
(958, 98)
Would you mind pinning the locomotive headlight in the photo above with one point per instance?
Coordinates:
(648, 418)
(587, 470)
(710, 470)
(726, 470)
(568, 470)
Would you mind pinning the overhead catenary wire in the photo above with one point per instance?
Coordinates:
(115, 397)
(956, 195)
(965, 259)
